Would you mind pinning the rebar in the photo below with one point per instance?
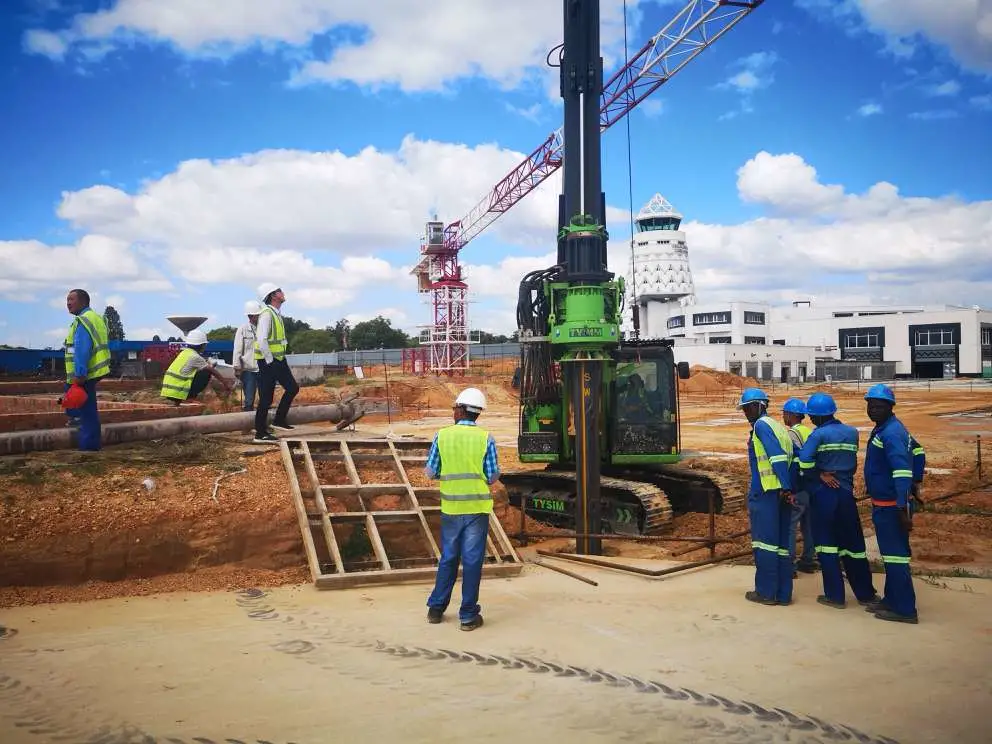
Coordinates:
(653, 573)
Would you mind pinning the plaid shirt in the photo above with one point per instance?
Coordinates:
(490, 465)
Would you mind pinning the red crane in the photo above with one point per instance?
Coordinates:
(695, 27)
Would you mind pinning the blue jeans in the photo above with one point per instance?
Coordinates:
(249, 383)
(463, 537)
(770, 518)
(893, 544)
(802, 517)
(90, 436)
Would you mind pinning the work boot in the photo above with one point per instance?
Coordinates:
(896, 617)
(265, 438)
(825, 600)
(475, 622)
(755, 597)
(806, 567)
(870, 602)
(282, 426)
(876, 606)
(435, 615)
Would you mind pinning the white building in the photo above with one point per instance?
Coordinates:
(762, 362)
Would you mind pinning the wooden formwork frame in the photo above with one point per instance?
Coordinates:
(312, 512)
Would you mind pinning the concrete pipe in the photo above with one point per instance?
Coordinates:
(21, 442)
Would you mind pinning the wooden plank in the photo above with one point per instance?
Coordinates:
(380, 551)
(301, 513)
(413, 499)
(384, 514)
(359, 457)
(368, 489)
(349, 465)
(399, 575)
(325, 522)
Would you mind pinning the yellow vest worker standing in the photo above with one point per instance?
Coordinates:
(463, 457)
(270, 353)
(87, 361)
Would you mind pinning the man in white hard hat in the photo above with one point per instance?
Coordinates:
(463, 458)
(270, 355)
(190, 372)
(245, 366)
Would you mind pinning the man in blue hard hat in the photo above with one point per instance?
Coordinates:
(828, 461)
(793, 413)
(769, 501)
(889, 482)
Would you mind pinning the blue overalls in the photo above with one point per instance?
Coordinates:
(889, 473)
(833, 448)
(770, 516)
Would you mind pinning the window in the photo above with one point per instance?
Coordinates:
(987, 337)
(699, 319)
(861, 340)
(719, 339)
(935, 337)
(753, 318)
(755, 340)
(643, 394)
(779, 342)
(843, 315)
(677, 322)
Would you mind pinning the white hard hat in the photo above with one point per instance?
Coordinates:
(196, 338)
(253, 307)
(265, 289)
(472, 400)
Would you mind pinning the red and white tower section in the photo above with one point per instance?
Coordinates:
(439, 276)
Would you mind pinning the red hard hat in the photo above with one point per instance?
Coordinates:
(74, 397)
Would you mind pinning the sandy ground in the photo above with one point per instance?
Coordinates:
(684, 659)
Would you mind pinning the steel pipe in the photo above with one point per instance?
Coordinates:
(21, 442)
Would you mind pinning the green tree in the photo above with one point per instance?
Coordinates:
(340, 330)
(491, 338)
(377, 333)
(312, 340)
(115, 328)
(292, 326)
(224, 333)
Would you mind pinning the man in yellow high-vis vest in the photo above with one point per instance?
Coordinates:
(87, 361)
(270, 354)
(463, 457)
(769, 501)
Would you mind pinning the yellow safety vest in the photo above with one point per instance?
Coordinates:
(99, 364)
(175, 384)
(770, 481)
(464, 489)
(803, 431)
(276, 337)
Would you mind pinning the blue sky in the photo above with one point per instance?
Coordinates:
(170, 156)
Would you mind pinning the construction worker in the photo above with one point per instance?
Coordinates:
(769, 501)
(87, 361)
(888, 482)
(919, 467)
(828, 461)
(793, 413)
(190, 372)
(245, 366)
(270, 355)
(463, 457)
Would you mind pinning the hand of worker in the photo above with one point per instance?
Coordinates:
(906, 519)
(81, 381)
(829, 480)
(237, 373)
(787, 497)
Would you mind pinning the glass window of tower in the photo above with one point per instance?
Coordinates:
(648, 224)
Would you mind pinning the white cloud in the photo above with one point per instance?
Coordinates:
(946, 88)
(753, 72)
(983, 103)
(962, 27)
(414, 45)
(870, 109)
(652, 107)
(934, 115)
(531, 113)
(116, 301)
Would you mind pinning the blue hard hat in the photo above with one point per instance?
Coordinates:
(881, 392)
(795, 405)
(752, 395)
(821, 404)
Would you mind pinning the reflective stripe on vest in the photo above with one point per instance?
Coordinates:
(770, 481)
(276, 337)
(99, 363)
(803, 431)
(175, 384)
(464, 489)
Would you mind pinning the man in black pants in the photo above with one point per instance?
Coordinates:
(270, 353)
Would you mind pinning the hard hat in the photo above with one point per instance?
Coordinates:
(252, 307)
(881, 392)
(195, 338)
(472, 400)
(265, 289)
(74, 397)
(821, 404)
(752, 395)
(795, 405)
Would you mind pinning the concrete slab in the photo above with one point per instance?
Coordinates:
(683, 659)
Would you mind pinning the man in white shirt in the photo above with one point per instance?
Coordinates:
(245, 367)
(270, 355)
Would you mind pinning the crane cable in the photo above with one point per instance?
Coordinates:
(630, 192)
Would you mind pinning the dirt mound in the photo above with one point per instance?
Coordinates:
(703, 382)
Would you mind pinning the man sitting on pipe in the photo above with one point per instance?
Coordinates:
(189, 373)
